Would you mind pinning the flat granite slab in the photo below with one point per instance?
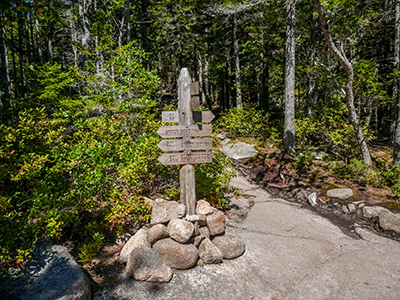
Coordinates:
(291, 253)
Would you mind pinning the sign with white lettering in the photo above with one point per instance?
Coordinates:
(186, 144)
(187, 157)
(185, 131)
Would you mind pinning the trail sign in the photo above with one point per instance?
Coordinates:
(186, 144)
(185, 131)
(187, 157)
(204, 116)
(188, 95)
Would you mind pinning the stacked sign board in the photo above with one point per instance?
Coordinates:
(187, 138)
(187, 143)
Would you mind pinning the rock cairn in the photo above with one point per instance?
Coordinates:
(179, 241)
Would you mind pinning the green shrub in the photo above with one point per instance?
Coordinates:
(90, 250)
(244, 122)
(81, 155)
(358, 171)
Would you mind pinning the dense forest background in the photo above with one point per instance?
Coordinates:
(82, 83)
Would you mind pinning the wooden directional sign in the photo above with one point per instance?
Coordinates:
(187, 157)
(185, 130)
(195, 95)
(204, 116)
(183, 144)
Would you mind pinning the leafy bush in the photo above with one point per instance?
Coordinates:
(358, 171)
(80, 156)
(244, 122)
(329, 132)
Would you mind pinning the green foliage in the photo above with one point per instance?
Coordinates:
(68, 163)
(244, 122)
(329, 131)
(90, 250)
(392, 178)
(303, 162)
(212, 179)
(83, 153)
(358, 171)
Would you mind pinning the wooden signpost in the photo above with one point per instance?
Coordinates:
(188, 144)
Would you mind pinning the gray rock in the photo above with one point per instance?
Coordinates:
(342, 194)
(216, 222)
(52, 274)
(345, 209)
(177, 255)
(301, 195)
(373, 211)
(239, 151)
(204, 208)
(312, 199)
(157, 232)
(139, 240)
(352, 208)
(204, 232)
(209, 253)
(196, 241)
(230, 245)
(319, 155)
(389, 221)
(180, 230)
(164, 211)
(201, 219)
(146, 264)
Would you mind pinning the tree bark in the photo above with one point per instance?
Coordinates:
(289, 136)
(83, 7)
(396, 86)
(349, 83)
(38, 39)
(237, 64)
(4, 80)
(200, 73)
(128, 21)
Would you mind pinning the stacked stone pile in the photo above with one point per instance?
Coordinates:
(179, 241)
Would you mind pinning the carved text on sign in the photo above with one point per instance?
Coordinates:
(184, 131)
(185, 158)
(186, 144)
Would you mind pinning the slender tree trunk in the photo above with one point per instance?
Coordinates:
(237, 64)
(4, 81)
(83, 7)
(207, 92)
(289, 136)
(349, 83)
(128, 21)
(50, 45)
(38, 40)
(74, 37)
(230, 102)
(200, 72)
(396, 86)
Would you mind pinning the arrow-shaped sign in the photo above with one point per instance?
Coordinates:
(185, 131)
(204, 116)
(186, 144)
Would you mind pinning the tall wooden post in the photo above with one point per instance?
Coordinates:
(187, 180)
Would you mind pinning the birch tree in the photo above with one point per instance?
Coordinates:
(345, 63)
(289, 135)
